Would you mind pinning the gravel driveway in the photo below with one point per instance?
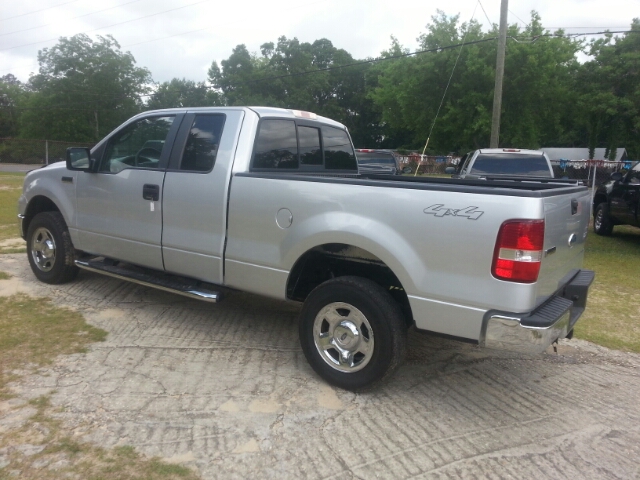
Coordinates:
(226, 390)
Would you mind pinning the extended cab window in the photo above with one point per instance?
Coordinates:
(202, 144)
(310, 152)
(138, 145)
(338, 152)
(277, 146)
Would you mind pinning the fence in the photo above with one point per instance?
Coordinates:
(588, 170)
(35, 152)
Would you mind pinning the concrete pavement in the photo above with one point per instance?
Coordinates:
(226, 389)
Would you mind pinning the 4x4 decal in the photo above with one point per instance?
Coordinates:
(439, 210)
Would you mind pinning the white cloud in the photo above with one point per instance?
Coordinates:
(160, 42)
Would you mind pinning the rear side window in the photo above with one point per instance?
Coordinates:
(281, 144)
(310, 152)
(338, 152)
(277, 146)
(202, 144)
(500, 164)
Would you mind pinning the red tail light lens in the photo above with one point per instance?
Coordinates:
(518, 251)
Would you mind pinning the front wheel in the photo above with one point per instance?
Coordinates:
(49, 248)
(352, 332)
(602, 223)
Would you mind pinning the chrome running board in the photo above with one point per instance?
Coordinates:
(149, 278)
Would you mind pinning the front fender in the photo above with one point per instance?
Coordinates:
(48, 183)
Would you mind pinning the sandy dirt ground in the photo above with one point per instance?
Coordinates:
(226, 390)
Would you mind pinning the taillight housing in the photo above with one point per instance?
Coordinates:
(518, 251)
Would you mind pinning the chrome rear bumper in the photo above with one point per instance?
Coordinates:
(533, 332)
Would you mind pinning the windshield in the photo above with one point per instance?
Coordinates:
(504, 164)
(369, 158)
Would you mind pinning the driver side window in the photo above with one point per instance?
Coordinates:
(138, 145)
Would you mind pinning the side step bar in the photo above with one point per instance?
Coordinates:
(161, 281)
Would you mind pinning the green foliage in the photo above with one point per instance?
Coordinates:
(609, 92)
(83, 90)
(12, 96)
(410, 90)
(279, 77)
(87, 87)
(183, 93)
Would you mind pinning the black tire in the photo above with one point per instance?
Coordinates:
(371, 329)
(602, 223)
(50, 250)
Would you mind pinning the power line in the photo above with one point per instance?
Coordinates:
(36, 11)
(526, 24)
(72, 18)
(347, 65)
(112, 25)
(485, 13)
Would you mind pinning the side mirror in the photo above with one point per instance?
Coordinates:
(79, 159)
(450, 170)
(406, 170)
(616, 176)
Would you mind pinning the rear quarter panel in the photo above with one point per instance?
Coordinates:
(443, 261)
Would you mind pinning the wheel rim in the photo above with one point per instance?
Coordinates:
(43, 249)
(343, 337)
(598, 220)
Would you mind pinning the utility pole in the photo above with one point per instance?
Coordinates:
(497, 92)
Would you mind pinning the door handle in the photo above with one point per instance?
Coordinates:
(151, 192)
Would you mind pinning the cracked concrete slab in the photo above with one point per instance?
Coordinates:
(226, 389)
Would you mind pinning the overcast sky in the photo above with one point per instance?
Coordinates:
(180, 38)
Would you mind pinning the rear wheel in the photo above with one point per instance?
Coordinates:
(602, 223)
(352, 332)
(49, 248)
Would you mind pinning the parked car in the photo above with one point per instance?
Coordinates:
(617, 202)
(378, 162)
(269, 201)
(497, 162)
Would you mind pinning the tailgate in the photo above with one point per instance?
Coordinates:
(566, 224)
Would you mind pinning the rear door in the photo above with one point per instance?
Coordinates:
(119, 207)
(195, 194)
(625, 197)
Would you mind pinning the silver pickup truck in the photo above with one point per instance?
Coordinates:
(269, 201)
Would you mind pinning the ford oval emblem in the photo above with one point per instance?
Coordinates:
(572, 240)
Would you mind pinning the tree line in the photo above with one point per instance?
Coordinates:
(86, 87)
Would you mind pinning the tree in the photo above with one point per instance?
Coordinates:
(610, 94)
(303, 76)
(12, 95)
(183, 93)
(83, 90)
(537, 94)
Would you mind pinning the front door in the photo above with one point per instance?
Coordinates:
(119, 207)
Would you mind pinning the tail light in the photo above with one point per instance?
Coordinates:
(518, 251)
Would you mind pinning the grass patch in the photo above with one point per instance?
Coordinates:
(612, 318)
(10, 190)
(34, 332)
(4, 276)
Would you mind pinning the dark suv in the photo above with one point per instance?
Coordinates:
(617, 201)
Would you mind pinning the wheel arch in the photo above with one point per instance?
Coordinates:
(38, 204)
(597, 200)
(331, 260)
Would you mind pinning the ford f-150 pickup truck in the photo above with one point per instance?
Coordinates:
(270, 201)
(503, 162)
